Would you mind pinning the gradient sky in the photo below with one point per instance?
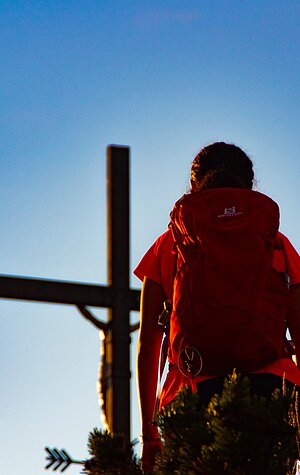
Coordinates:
(165, 77)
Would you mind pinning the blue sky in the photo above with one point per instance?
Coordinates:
(165, 77)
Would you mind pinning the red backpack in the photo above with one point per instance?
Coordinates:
(229, 303)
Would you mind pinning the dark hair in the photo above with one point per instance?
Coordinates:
(222, 165)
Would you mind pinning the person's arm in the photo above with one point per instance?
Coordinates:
(149, 345)
(293, 318)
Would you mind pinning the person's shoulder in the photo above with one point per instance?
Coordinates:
(165, 238)
(291, 257)
(155, 258)
(285, 241)
(164, 242)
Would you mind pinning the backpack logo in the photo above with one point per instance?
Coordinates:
(190, 361)
(229, 212)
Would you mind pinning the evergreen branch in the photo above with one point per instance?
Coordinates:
(59, 459)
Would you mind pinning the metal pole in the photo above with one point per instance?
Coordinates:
(118, 336)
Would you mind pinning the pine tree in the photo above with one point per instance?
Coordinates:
(111, 455)
(237, 434)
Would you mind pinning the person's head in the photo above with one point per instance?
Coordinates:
(221, 165)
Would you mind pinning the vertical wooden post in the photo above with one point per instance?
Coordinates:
(118, 336)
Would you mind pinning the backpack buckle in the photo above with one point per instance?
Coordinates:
(164, 317)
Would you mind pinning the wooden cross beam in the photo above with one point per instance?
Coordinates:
(118, 297)
(61, 292)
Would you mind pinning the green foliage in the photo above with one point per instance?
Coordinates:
(111, 455)
(237, 434)
(183, 433)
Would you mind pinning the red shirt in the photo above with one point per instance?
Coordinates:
(158, 264)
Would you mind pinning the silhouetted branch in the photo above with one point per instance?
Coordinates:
(59, 459)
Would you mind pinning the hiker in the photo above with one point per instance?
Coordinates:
(224, 312)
